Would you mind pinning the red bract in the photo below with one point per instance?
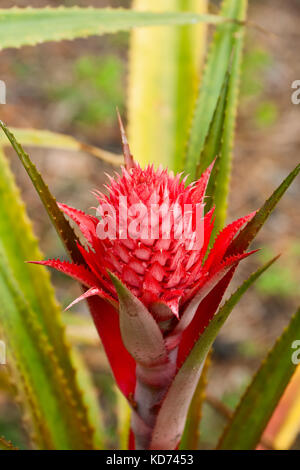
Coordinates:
(151, 297)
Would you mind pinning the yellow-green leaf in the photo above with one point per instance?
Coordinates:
(191, 435)
(51, 406)
(123, 416)
(284, 426)
(260, 399)
(54, 140)
(249, 232)
(227, 39)
(164, 74)
(19, 245)
(62, 226)
(30, 26)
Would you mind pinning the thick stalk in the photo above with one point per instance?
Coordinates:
(152, 385)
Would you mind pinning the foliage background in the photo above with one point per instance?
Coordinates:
(74, 87)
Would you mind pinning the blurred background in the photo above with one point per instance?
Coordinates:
(74, 88)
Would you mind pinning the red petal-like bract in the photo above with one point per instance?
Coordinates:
(160, 255)
(79, 273)
(106, 320)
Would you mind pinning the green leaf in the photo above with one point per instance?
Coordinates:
(191, 435)
(248, 233)
(62, 226)
(223, 166)
(55, 421)
(123, 416)
(19, 245)
(54, 140)
(228, 40)
(30, 26)
(213, 145)
(140, 332)
(173, 412)
(90, 400)
(260, 400)
(164, 74)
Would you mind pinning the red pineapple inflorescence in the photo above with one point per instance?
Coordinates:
(165, 268)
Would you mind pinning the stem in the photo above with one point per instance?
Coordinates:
(152, 385)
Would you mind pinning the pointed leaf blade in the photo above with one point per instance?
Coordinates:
(62, 226)
(191, 435)
(124, 416)
(246, 236)
(226, 39)
(260, 399)
(213, 142)
(53, 140)
(224, 162)
(284, 426)
(31, 26)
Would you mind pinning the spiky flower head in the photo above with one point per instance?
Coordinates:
(152, 233)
